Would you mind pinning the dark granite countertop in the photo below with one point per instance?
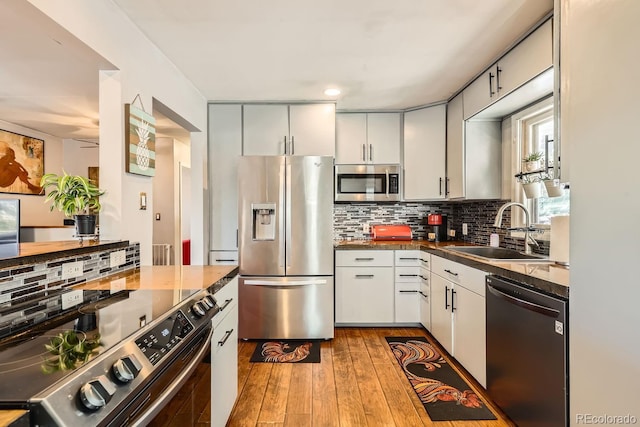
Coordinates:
(543, 276)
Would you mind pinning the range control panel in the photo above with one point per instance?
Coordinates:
(156, 343)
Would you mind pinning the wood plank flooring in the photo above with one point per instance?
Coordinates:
(358, 383)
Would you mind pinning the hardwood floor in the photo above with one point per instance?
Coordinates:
(358, 383)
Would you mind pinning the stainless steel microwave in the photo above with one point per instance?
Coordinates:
(368, 183)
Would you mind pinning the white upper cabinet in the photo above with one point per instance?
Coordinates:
(531, 57)
(368, 138)
(298, 129)
(425, 153)
(312, 129)
(455, 148)
(266, 130)
(225, 147)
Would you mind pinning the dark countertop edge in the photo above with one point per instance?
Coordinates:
(531, 282)
(216, 287)
(50, 256)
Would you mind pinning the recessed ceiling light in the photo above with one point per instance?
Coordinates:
(332, 91)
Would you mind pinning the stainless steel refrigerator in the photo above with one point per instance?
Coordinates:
(285, 212)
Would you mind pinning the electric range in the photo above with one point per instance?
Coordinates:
(115, 361)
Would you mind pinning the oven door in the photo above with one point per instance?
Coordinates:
(367, 183)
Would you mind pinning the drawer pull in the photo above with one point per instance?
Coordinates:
(226, 303)
(424, 278)
(226, 260)
(424, 295)
(408, 292)
(225, 338)
(408, 259)
(364, 276)
(408, 275)
(451, 272)
(364, 259)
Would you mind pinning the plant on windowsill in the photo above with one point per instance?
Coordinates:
(532, 186)
(75, 196)
(532, 162)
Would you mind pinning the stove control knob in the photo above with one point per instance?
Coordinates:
(126, 369)
(198, 310)
(206, 303)
(97, 393)
(211, 300)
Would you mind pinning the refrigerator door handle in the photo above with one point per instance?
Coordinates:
(288, 215)
(287, 283)
(281, 218)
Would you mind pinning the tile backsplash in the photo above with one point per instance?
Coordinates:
(349, 218)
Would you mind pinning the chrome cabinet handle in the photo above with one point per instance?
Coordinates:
(225, 338)
(226, 303)
(451, 272)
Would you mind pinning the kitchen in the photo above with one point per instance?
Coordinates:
(594, 28)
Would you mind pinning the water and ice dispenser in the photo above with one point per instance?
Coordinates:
(263, 221)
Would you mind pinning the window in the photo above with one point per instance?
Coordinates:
(533, 132)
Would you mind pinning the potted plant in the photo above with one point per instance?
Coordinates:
(552, 185)
(532, 186)
(75, 196)
(532, 162)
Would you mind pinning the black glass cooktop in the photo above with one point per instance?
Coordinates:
(38, 358)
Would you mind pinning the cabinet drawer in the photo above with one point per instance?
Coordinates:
(225, 332)
(407, 274)
(364, 295)
(228, 293)
(358, 258)
(465, 276)
(223, 257)
(407, 258)
(425, 260)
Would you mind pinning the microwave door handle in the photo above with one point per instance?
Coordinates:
(387, 183)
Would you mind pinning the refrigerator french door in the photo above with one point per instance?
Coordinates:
(285, 212)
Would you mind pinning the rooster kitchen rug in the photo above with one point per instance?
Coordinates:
(287, 351)
(446, 396)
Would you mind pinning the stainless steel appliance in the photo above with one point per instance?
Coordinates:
(368, 183)
(285, 211)
(9, 227)
(150, 342)
(527, 358)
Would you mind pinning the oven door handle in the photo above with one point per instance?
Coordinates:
(173, 388)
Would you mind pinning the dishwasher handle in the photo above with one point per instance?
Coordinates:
(524, 304)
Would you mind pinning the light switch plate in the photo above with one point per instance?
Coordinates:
(72, 269)
(71, 299)
(117, 258)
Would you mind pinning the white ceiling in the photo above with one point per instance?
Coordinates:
(382, 54)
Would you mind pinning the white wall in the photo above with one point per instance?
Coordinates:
(163, 193)
(143, 70)
(600, 69)
(78, 156)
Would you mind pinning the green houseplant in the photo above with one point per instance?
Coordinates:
(75, 196)
(532, 162)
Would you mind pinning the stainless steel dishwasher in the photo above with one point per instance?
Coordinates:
(527, 353)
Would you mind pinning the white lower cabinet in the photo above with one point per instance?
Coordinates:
(458, 314)
(425, 298)
(224, 355)
(364, 286)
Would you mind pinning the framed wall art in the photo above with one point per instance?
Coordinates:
(21, 163)
(140, 141)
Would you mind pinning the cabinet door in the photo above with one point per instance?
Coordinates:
(529, 58)
(266, 130)
(383, 138)
(312, 129)
(425, 299)
(469, 333)
(351, 138)
(225, 147)
(224, 368)
(425, 153)
(364, 295)
(441, 317)
(455, 148)
(479, 94)
(407, 302)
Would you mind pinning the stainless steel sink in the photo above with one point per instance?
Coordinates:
(497, 254)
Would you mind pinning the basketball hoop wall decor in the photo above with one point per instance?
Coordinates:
(140, 141)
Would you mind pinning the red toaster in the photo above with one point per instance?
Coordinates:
(391, 232)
